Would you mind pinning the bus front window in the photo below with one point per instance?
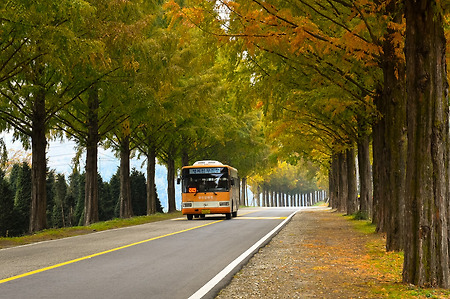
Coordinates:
(196, 182)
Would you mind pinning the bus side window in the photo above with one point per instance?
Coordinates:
(223, 183)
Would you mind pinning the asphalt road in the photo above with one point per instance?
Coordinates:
(168, 259)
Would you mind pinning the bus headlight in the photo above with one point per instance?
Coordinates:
(224, 203)
(187, 204)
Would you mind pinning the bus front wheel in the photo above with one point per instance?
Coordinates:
(189, 216)
(228, 216)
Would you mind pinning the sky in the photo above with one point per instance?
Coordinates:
(61, 153)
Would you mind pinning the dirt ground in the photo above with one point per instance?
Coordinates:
(317, 255)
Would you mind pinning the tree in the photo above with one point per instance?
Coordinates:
(389, 132)
(115, 192)
(138, 193)
(72, 197)
(50, 190)
(106, 204)
(126, 207)
(22, 200)
(6, 206)
(427, 189)
(79, 184)
(60, 207)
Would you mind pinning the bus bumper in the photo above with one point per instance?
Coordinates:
(205, 211)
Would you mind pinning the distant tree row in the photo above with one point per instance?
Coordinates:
(65, 204)
(286, 178)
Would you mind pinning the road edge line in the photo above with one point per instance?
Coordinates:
(249, 252)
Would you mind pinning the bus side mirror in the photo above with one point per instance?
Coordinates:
(232, 182)
(178, 180)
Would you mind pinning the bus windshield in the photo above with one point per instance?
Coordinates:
(213, 179)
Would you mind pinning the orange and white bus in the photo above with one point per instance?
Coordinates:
(209, 187)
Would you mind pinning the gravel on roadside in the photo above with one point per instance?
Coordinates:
(316, 255)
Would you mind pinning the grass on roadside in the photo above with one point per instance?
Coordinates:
(59, 233)
(388, 268)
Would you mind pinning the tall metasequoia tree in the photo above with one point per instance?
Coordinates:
(149, 138)
(168, 156)
(39, 128)
(389, 132)
(92, 140)
(426, 260)
(352, 204)
(126, 208)
(151, 190)
(122, 142)
(365, 172)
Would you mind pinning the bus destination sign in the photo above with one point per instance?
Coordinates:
(206, 170)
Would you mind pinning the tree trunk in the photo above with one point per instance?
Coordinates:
(343, 183)
(38, 216)
(333, 181)
(91, 184)
(365, 177)
(184, 158)
(379, 167)
(258, 196)
(171, 184)
(394, 156)
(126, 208)
(151, 171)
(394, 95)
(265, 201)
(243, 193)
(352, 197)
(426, 262)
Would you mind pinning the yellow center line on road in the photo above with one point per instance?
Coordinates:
(242, 216)
(184, 218)
(101, 253)
(262, 218)
(247, 213)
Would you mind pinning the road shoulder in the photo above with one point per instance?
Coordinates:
(318, 254)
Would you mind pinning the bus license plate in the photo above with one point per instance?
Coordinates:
(206, 211)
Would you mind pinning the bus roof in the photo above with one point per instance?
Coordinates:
(208, 163)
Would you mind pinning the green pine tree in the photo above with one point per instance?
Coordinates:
(114, 183)
(159, 207)
(6, 205)
(22, 200)
(79, 195)
(138, 193)
(13, 176)
(72, 196)
(50, 183)
(106, 202)
(60, 207)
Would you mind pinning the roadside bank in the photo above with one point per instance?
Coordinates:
(321, 254)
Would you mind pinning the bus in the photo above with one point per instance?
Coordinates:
(209, 187)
